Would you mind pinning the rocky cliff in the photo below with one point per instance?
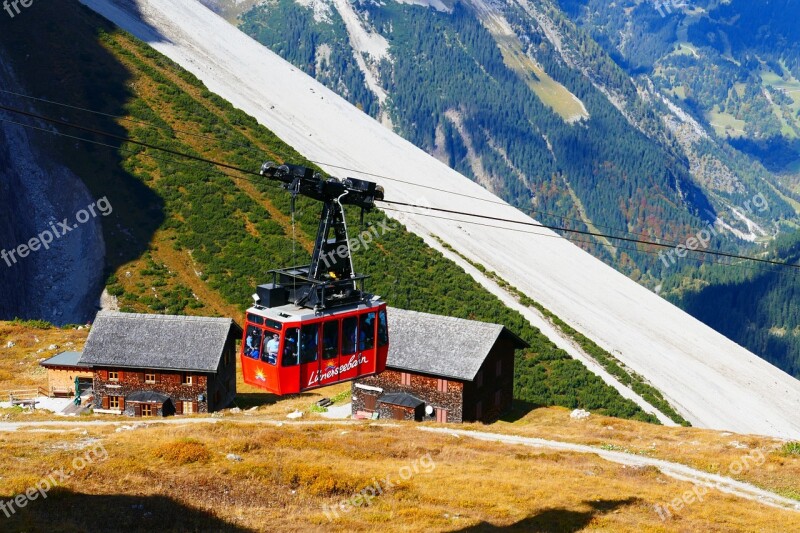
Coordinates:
(61, 284)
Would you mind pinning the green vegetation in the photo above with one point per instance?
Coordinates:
(721, 63)
(488, 88)
(344, 395)
(723, 67)
(319, 47)
(614, 366)
(758, 302)
(791, 449)
(32, 324)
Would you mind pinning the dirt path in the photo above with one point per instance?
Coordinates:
(674, 470)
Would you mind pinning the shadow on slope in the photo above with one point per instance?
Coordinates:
(56, 52)
(756, 315)
(752, 306)
(519, 409)
(558, 520)
(64, 510)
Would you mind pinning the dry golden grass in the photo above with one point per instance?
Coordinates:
(717, 452)
(183, 452)
(286, 475)
(178, 477)
(19, 365)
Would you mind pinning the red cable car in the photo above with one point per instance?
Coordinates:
(314, 325)
(290, 349)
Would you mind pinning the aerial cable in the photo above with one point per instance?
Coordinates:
(583, 232)
(247, 171)
(574, 239)
(255, 150)
(127, 139)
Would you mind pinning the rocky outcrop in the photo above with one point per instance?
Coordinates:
(61, 284)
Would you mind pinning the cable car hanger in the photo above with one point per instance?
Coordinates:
(329, 280)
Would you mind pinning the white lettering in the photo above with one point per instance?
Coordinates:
(333, 371)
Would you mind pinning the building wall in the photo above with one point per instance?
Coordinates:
(422, 386)
(485, 399)
(62, 379)
(167, 383)
(222, 385)
(387, 411)
(491, 394)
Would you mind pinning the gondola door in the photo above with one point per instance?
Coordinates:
(309, 355)
(349, 356)
(331, 346)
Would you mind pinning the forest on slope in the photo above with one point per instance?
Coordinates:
(735, 67)
(452, 91)
(752, 305)
(735, 64)
(187, 238)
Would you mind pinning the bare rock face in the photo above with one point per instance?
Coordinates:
(60, 284)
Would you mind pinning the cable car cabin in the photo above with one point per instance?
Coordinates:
(314, 325)
(291, 349)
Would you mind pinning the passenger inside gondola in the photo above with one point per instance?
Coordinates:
(367, 332)
(349, 335)
(383, 329)
(272, 349)
(330, 340)
(291, 354)
(253, 342)
(308, 343)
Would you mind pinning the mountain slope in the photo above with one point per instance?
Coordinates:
(731, 68)
(519, 97)
(712, 381)
(761, 312)
(187, 239)
(515, 96)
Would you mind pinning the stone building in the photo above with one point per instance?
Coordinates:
(157, 365)
(441, 368)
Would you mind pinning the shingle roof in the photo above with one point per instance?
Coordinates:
(64, 359)
(401, 398)
(440, 345)
(147, 397)
(130, 340)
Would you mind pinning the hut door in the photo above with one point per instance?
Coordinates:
(370, 402)
(398, 413)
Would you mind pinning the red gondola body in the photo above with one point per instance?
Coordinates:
(313, 350)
